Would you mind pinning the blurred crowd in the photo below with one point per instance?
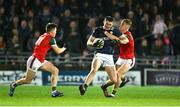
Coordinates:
(156, 24)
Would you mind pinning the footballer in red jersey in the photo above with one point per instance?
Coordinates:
(37, 61)
(126, 58)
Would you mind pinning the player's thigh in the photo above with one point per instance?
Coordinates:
(123, 69)
(96, 64)
(30, 74)
(48, 66)
(111, 70)
(119, 62)
(117, 66)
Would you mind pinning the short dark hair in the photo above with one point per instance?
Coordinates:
(108, 18)
(50, 27)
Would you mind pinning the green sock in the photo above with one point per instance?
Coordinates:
(53, 88)
(114, 92)
(16, 84)
(85, 85)
(108, 84)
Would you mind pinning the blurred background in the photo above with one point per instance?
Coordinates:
(156, 30)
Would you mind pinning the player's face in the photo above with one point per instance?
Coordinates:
(108, 24)
(54, 31)
(123, 27)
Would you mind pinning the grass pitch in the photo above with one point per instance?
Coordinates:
(126, 96)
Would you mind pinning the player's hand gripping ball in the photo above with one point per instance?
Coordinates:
(98, 43)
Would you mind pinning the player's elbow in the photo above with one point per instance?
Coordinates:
(89, 43)
(58, 52)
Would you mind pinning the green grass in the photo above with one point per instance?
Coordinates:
(127, 96)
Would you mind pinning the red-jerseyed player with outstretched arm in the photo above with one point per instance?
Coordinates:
(37, 61)
(126, 58)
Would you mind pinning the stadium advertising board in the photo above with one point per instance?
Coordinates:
(168, 77)
(67, 77)
(6, 77)
(133, 76)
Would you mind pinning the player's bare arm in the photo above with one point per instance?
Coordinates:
(90, 41)
(57, 49)
(111, 36)
(123, 39)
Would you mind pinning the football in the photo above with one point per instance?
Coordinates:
(98, 43)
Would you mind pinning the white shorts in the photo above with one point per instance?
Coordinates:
(33, 63)
(122, 61)
(106, 59)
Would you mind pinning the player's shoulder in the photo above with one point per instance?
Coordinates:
(116, 31)
(46, 36)
(99, 28)
(129, 34)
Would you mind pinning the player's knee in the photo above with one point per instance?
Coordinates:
(28, 81)
(56, 71)
(114, 80)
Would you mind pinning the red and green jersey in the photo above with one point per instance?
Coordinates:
(127, 50)
(43, 45)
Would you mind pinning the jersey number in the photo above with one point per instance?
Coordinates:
(38, 42)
